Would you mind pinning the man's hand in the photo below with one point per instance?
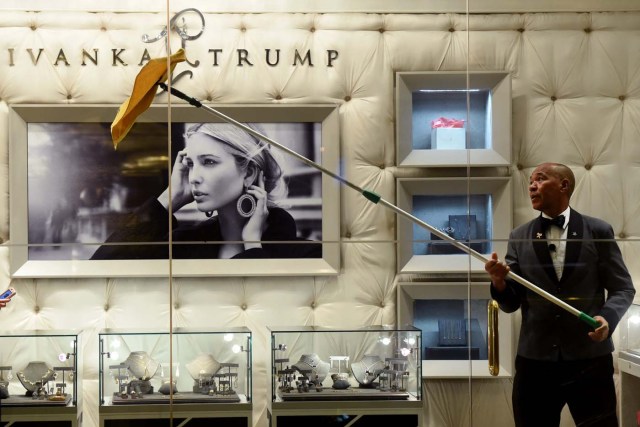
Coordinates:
(498, 271)
(602, 332)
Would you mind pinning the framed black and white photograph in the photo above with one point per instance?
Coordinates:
(236, 204)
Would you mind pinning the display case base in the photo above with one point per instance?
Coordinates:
(183, 414)
(352, 414)
(36, 416)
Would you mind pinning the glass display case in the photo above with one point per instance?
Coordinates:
(629, 365)
(319, 364)
(189, 366)
(441, 114)
(38, 368)
(39, 376)
(471, 211)
(453, 317)
(630, 331)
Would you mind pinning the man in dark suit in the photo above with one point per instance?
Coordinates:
(560, 359)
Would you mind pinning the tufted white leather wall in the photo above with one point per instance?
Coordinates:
(576, 100)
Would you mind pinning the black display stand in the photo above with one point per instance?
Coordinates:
(352, 414)
(186, 414)
(38, 416)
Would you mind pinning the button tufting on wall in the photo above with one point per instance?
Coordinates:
(243, 306)
(521, 30)
(587, 30)
(243, 29)
(69, 96)
(519, 166)
(106, 307)
(553, 98)
(347, 235)
(622, 97)
(103, 28)
(209, 98)
(382, 166)
(33, 28)
(278, 97)
(382, 304)
(313, 304)
(451, 30)
(176, 306)
(36, 309)
(312, 29)
(381, 30)
(587, 166)
(347, 98)
(622, 235)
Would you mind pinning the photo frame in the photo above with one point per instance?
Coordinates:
(43, 192)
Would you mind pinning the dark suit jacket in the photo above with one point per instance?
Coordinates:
(593, 264)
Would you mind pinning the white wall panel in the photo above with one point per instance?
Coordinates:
(576, 99)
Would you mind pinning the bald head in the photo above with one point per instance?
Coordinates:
(550, 188)
(563, 172)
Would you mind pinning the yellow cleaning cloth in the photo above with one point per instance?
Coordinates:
(144, 90)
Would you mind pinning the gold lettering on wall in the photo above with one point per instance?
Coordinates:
(86, 55)
(116, 57)
(61, 57)
(145, 57)
(35, 59)
(307, 57)
(122, 57)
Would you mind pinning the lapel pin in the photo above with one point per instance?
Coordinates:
(538, 235)
(574, 234)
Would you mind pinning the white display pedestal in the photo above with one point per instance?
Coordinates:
(193, 415)
(353, 413)
(629, 365)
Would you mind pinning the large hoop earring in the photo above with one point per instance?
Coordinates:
(209, 214)
(246, 205)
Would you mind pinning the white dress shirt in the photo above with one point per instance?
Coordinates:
(557, 242)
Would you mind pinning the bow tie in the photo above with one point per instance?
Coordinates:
(557, 221)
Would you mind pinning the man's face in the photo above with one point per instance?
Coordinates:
(547, 191)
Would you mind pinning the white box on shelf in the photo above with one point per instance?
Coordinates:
(448, 138)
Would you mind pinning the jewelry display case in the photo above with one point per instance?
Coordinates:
(446, 120)
(454, 322)
(39, 377)
(195, 373)
(359, 373)
(470, 210)
(629, 365)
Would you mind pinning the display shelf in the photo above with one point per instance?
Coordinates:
(147, 376)
(453, 320)
(629, 365)
(481, 98)
(39, 377)
(475, 211)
